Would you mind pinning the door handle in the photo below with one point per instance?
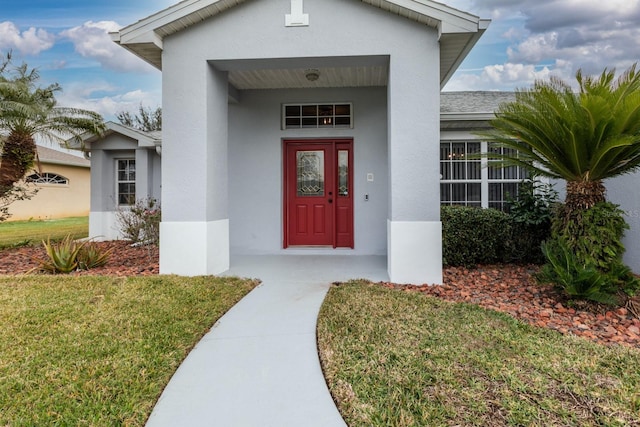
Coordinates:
(330, 200)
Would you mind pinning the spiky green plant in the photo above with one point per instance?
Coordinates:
(62, 256)
(91, 256)
(582, 137)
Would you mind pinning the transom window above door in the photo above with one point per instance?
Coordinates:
(314, 116)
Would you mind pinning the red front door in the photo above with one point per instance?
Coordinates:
(318, 201)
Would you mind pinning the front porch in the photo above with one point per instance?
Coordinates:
(320, 269)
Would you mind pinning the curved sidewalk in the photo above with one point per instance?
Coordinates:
(258, 366)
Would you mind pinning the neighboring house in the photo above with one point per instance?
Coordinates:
(63, 184)
(125, 168)
(302, 128)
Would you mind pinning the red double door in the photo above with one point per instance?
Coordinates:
(318, 193)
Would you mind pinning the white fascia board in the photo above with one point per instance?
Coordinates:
(452, 20)
(112, 127)
(462, 117)
(164, 17)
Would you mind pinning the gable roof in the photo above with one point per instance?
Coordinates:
(56, 157)
(459, 31)
(144, 139)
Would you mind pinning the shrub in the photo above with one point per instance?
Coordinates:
(575, 277)
(584, 256)
(140, 223)
(594, 235)
(532, 214)
(472, 236)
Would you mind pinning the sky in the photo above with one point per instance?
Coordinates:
(68, 42)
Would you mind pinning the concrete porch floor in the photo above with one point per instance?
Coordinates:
(258, 366)
(309, 268)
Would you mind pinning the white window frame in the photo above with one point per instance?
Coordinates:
(331, 118)
(484, 180)
(48, 178)
(118, 181)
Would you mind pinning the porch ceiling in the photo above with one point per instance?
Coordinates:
(290, 73)
(296, 78)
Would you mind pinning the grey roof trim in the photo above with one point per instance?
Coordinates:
(145, 37)
(55, 157)
(145, 139)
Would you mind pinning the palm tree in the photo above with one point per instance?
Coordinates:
(26, 111)
(582, 137)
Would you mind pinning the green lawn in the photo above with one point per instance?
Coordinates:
(394, 358)
(21, 233)
(98, 351)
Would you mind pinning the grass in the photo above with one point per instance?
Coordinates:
(394, 358)
(22, 233)
(99, 350)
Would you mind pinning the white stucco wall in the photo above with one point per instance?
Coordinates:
(197, 122)
(623, 191)
(255, 166)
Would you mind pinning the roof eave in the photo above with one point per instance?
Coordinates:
(482, 26)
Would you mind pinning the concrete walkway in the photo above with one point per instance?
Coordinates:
(258, 366)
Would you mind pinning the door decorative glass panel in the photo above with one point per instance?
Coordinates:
(343, 173)
(310, 172)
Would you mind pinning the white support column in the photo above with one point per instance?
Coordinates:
(414, 231)
(194, 233)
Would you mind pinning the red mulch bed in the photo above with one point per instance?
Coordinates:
(510, 289)
(513, 290)
(124, 260)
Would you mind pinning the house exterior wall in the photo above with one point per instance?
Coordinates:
(196, 118)
(56, 200)
(103, 224)
(623, 191)
(255, 165)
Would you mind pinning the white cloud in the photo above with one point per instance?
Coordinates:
(92, 40)
(29, 42)
(507, 77)
(569, 34)
(109, 102)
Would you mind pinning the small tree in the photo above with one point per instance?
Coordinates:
(147, 119)
(28, 110)
(583, 137)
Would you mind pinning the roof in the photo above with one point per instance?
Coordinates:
(145, 139)
(473, 102)
(470, 110)
(56, 157)
(459, 31)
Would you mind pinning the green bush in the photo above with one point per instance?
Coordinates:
(584, 256)
(572, 275)
(532, 214)
(594, 235)
(472, 236)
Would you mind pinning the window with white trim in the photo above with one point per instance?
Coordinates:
(315, 116)
(467, 180)
(126, 182)
(48, 178)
